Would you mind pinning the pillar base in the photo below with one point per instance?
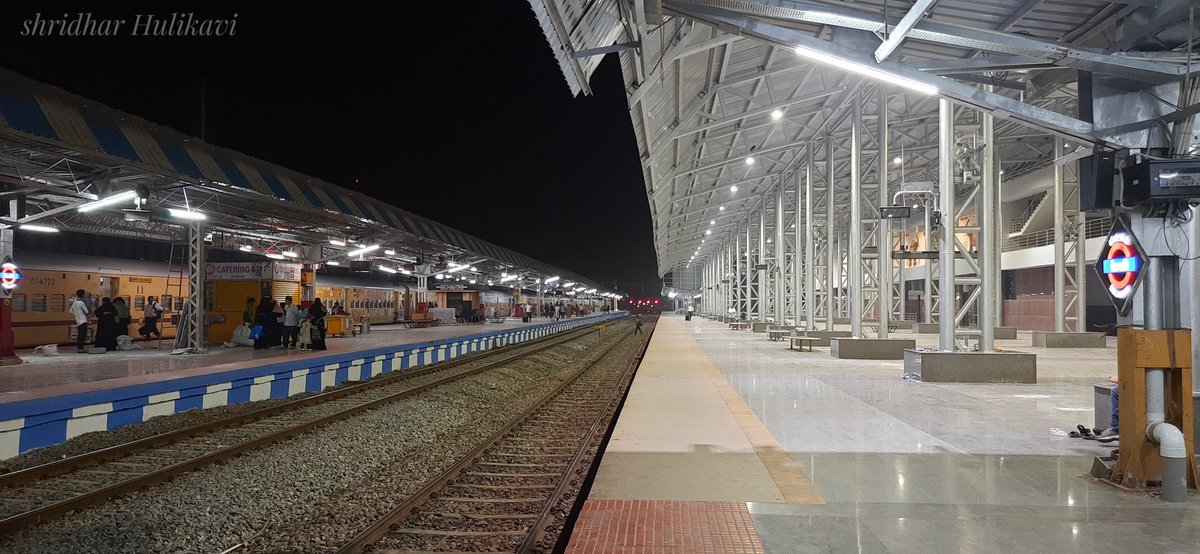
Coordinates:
(848, 348)
(824, 336)
(1004, 333)
(760, 326)
(970, 367)
(1047, 339)
(927, 328)
(1102, 405)
(841, 321)
(11, 360)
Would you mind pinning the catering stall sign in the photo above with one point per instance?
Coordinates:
(1120, 265)
(237, 271)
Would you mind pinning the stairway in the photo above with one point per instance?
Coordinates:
(1017, 225)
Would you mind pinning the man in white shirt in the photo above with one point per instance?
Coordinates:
(291, 324)
(80, 310)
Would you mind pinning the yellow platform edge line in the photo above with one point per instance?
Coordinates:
(788, 476)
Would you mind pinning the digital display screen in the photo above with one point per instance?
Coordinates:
(1171, 179)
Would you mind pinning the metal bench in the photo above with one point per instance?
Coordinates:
(739, 325)
(778, 334)
(803, 342)
(420, 323)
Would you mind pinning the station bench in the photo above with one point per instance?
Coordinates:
(496, 319)
(739, 325)
(803, 341)
(777, 334)
(420, 323)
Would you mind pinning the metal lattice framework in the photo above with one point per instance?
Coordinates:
(734, 101)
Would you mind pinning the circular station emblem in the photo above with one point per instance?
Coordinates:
(1120, 265)
(10, 275)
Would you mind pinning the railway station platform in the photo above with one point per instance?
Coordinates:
(49, 399)
(729, 442)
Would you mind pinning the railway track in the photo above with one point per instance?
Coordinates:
(42, 493)
(514, 492)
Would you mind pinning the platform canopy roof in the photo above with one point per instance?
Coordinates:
(60, 152)
(713, 83)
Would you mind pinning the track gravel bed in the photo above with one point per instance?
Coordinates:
(281, 486)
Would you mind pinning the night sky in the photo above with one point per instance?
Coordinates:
(458, 113)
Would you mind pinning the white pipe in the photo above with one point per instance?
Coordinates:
(1169, 439)
(1155, 413)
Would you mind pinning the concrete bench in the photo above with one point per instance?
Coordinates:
(777, 334)
(739, 325)
(496, 319)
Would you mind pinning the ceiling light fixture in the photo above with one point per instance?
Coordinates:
(337, 242)
(362, 250)
(187, 214)
(776, 115)
(331, 262)
(121, 197)
(749, 160)
(39, 228)
(865, 70)
(290, 254)
(386, 269)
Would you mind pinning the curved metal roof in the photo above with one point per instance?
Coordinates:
(59, 151)
(712, 83)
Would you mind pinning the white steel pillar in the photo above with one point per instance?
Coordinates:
(854, 257)
(987, 236)
(927, 298)
(946, 251)
(780, 256)
(832, 276)
(799, 253)
(1060, 251)
(761, 260)
(810, 250)
(885, 277)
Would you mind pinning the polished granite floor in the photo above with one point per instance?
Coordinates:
(919, 467)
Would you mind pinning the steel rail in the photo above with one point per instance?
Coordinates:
(52, 510)
(382, 526)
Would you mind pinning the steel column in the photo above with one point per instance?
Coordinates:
(987, 238)
(799, 256)
(761, 260)
(885, 277)
(854, 256)
(1060, 280)
(946, 251)
(830, 239)
(810, 250)
(927, 299)
(194, 310)
(780, 255)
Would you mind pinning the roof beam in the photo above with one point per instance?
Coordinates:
(910, 19)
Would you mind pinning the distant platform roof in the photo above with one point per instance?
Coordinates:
(59, 151)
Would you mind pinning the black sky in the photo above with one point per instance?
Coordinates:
(456, 112)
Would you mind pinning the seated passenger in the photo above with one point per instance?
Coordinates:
(241, 337)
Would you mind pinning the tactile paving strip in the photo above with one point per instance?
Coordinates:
(664, 527)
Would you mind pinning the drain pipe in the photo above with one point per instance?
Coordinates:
(1161, 312)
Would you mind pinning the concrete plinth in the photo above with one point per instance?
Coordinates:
(1005, 333)
(824, 336)
(927, 328)
(869, 349)
(901, 324)
(841, 321)
(971, 367)
(760, 326)
(1047, 339)
(1102, 402)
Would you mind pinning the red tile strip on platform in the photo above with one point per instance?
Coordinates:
(664, 527)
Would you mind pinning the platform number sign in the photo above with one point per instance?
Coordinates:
(1120, 265)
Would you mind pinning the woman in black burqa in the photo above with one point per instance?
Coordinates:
(316, 314)
(106, 325)
(266, 317)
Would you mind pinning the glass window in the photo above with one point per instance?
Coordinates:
(18, 302)
(39, 303)
(167, 301)
(139, 303)
(58, 303)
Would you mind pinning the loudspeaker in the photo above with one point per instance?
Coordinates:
(1097, 180)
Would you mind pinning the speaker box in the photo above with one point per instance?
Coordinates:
(1097, 181)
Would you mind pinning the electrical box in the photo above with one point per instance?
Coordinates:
(895, 212)
(1156, 180)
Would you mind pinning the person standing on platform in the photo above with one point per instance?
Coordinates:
(248, 315)
(637, 324)
(123, 316)
(79, 309)
(291, 324)
(316, 314)
(264, 319)
(154, 310)
(106, 325)
(275, 330)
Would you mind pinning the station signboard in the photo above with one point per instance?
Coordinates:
(1120, 265)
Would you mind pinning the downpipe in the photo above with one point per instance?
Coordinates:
(1171, 448)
